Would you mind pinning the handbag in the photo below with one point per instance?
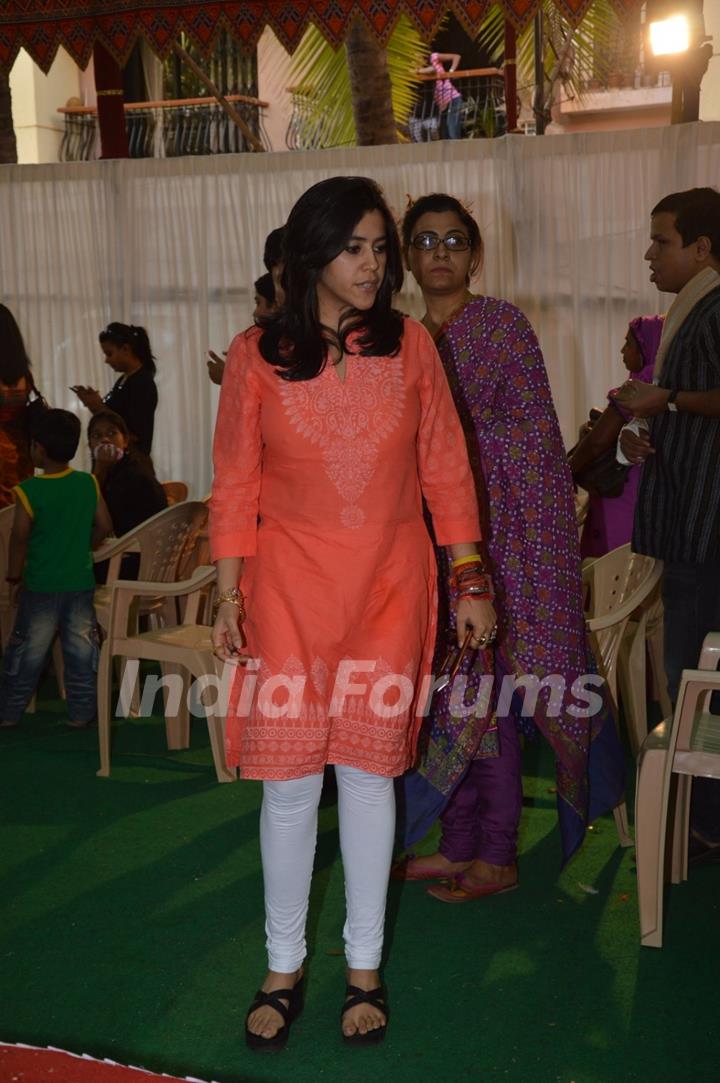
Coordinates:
(35, 407)
(604, 476)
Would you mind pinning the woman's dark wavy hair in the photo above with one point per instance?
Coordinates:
(440, 203)
(126, 334)
(14, 361)
(319, 227)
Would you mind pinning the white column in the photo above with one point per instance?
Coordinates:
(35, 99)
(273, 80)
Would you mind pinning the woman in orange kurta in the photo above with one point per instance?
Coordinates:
(15, 385)
(335, 419)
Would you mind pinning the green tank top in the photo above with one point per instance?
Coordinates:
(62, 509)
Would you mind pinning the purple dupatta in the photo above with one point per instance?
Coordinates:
(497, 375)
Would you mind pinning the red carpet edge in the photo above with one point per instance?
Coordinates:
(30, 1064)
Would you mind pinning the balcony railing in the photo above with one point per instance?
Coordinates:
(167, 129)
(482, 112)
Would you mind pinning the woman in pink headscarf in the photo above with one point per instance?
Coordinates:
(609, 520)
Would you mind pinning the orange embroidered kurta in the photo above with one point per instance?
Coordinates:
(319, 485)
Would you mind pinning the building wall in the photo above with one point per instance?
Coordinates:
(35, 100)
(274, 64)
(614, 110)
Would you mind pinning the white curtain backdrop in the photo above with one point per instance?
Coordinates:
(175, 245)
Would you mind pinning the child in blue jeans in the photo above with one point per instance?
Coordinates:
(59, 517)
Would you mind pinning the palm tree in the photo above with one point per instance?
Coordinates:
(355, 80)
(371, 89)
(8, 143)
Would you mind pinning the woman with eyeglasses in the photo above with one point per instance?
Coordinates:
(133, 396)
(335, 417)
(470, 767)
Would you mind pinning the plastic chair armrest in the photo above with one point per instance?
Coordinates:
(200, 578)
(710, 653)
(111, 547)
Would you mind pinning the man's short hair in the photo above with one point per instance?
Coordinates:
(273, 251)
(697, 214)
(58, 431)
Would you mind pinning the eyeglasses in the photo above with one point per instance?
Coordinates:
(454, 242)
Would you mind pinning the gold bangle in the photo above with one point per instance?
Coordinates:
(475, 558)
(234, 596)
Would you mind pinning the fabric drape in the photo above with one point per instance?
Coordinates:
(175, 246)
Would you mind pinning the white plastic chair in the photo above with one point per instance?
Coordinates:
(684, 745)
(616, 584)
(181, 649)
(642, 643)
(161, 542)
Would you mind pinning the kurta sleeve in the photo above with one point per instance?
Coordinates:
(443, 465)
(237, 457)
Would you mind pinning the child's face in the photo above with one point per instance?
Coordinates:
(106, 432)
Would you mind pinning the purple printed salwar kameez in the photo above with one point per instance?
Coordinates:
(609, 520)
(469, 771)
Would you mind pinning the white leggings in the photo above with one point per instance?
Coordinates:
(288, 835)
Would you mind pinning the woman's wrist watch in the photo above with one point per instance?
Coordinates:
(671, 404)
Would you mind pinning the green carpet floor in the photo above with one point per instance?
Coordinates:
(131, 927)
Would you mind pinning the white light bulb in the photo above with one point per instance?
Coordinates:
(670, 36)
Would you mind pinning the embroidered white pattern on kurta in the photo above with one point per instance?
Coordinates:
(349, 419)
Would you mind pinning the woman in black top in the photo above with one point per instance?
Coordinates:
(133, 395)
(127, 482)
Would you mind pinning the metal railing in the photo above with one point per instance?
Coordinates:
(308, 127)
(481, 114)
(167, 129)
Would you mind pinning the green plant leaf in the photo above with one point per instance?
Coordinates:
(572, 56)
(322, 114)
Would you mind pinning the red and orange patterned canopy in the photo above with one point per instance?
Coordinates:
(40, 26)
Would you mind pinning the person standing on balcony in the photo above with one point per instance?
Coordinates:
(334, 419)
(447, 97)
(133, 395)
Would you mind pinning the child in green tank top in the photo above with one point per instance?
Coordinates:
(59, 518)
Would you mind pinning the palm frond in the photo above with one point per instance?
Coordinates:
(572, 55)
(321, 84)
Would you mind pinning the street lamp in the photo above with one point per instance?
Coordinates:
(677, 39)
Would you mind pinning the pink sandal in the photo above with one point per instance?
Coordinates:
(458, 892)
(408, 870)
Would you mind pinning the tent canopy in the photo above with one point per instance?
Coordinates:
(40, 26)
